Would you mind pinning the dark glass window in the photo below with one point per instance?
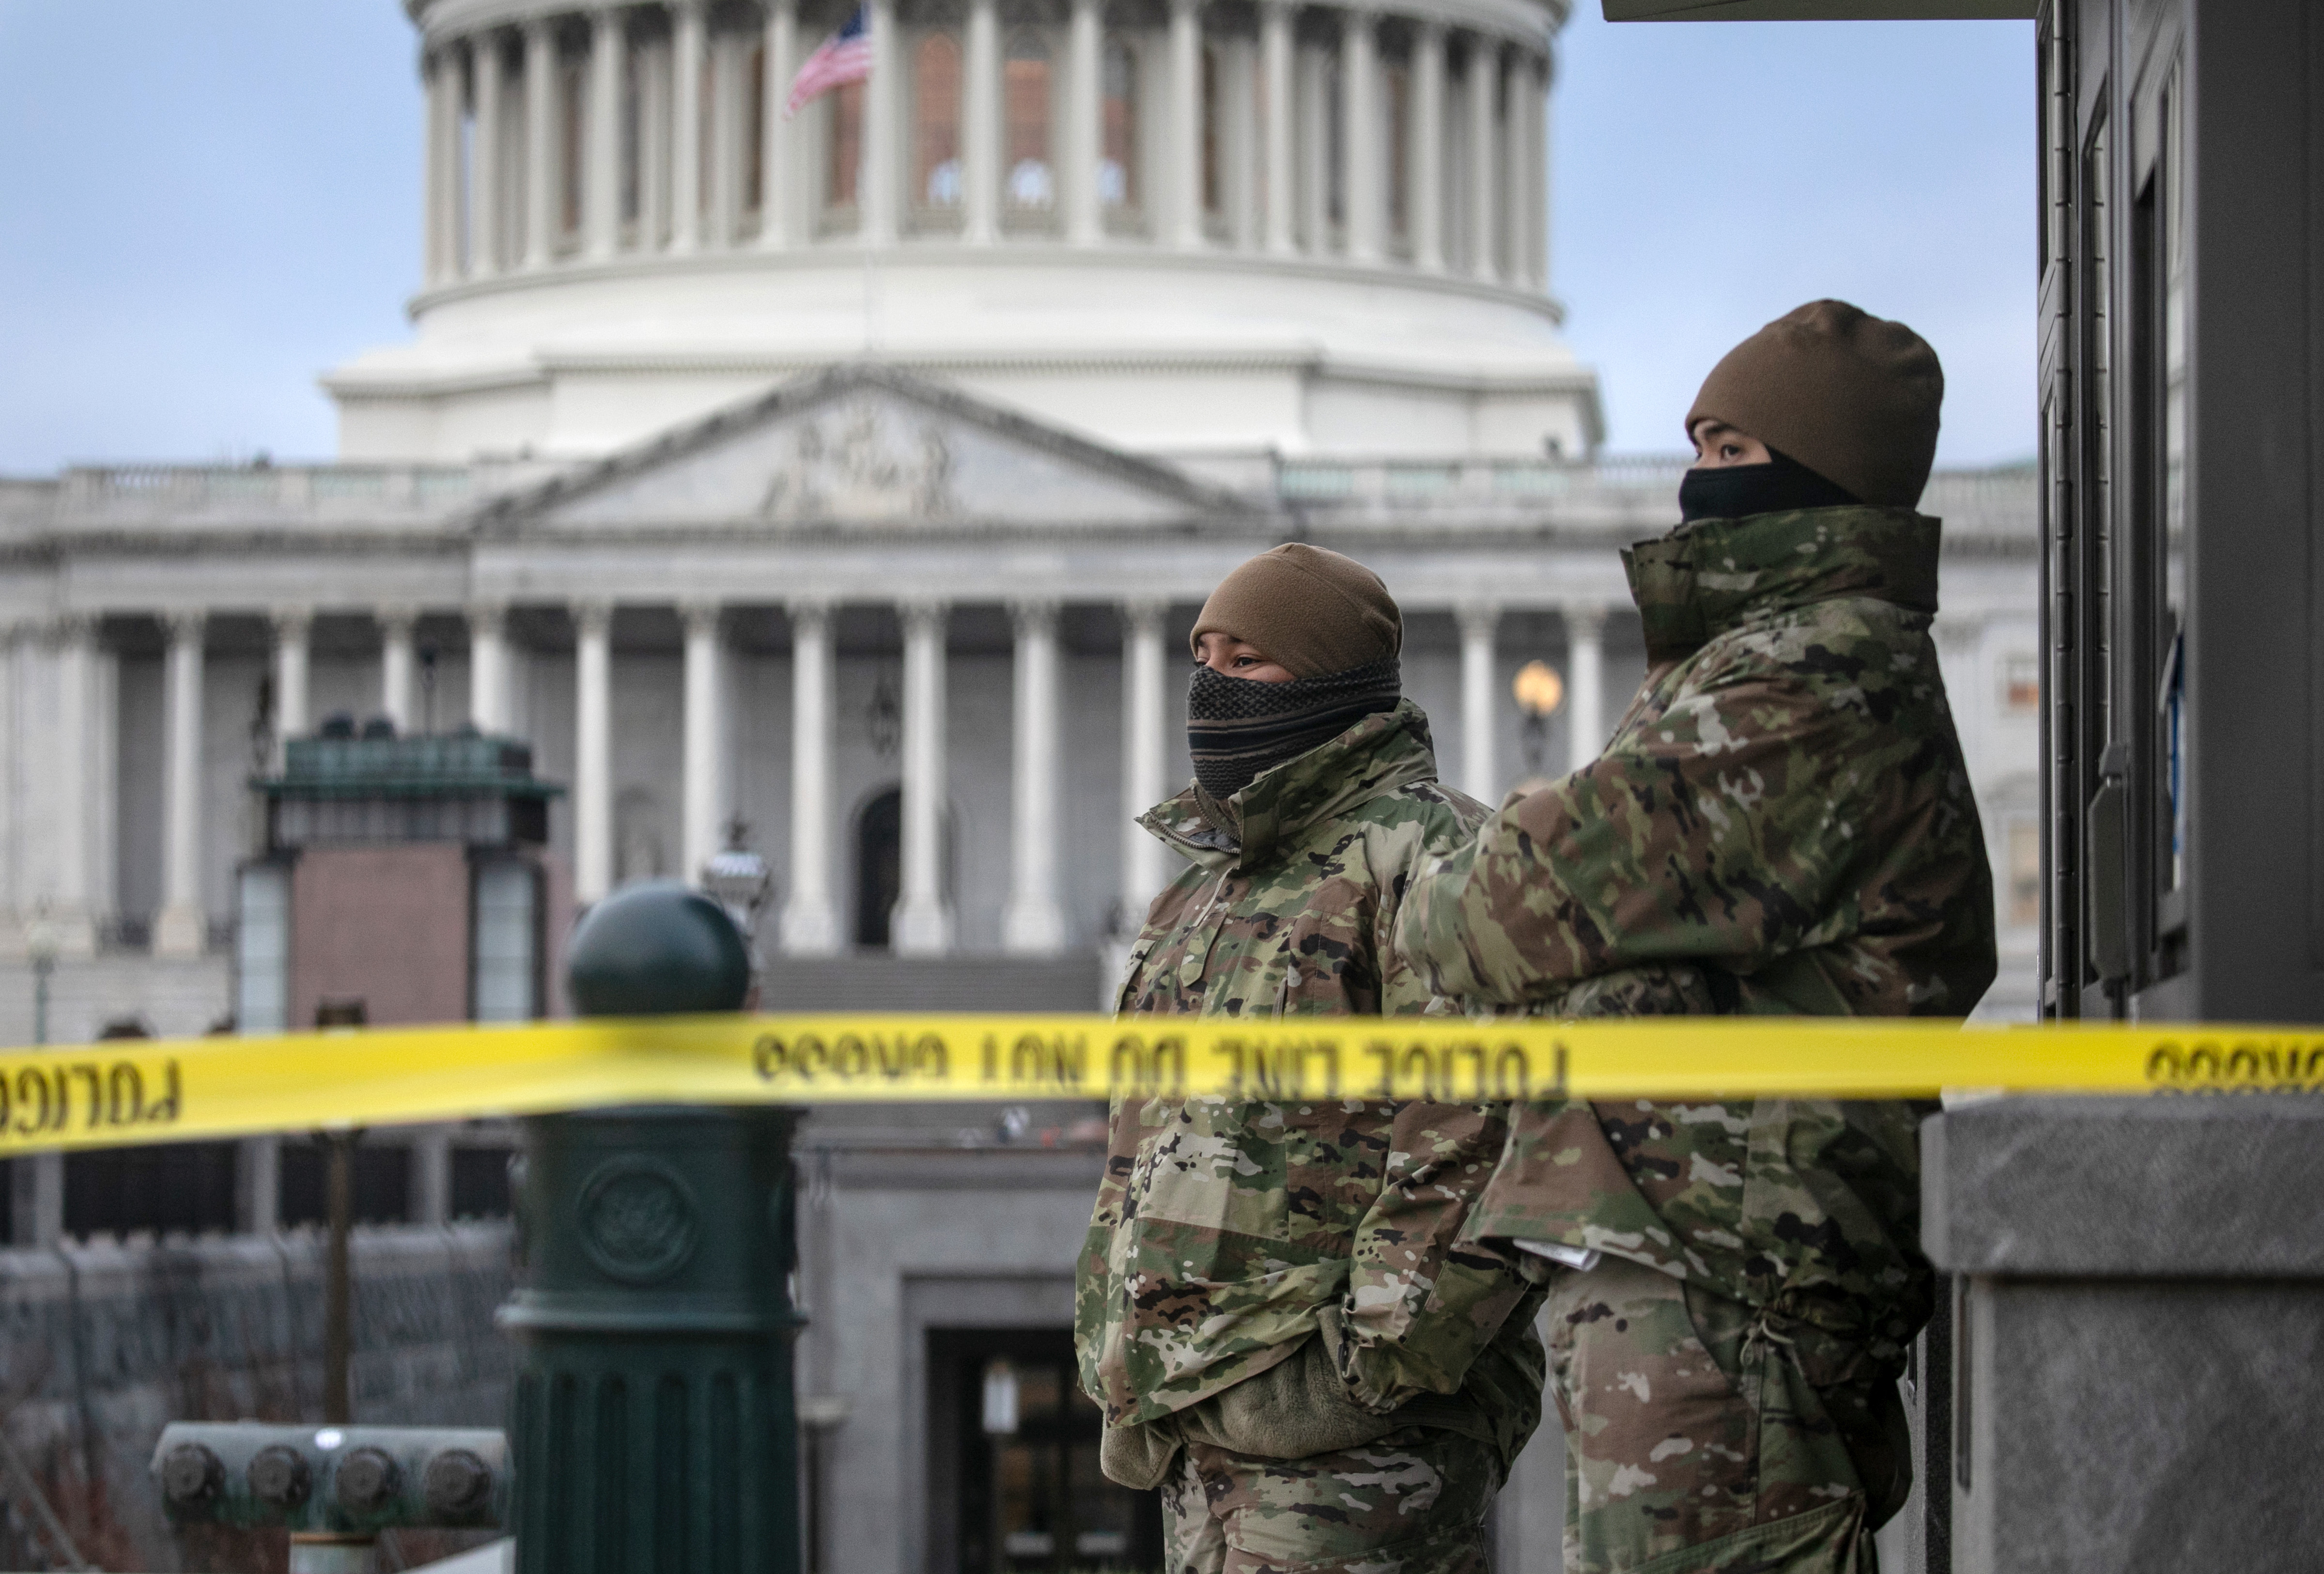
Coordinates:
(1014, 1478)
(171, 1187)
(383, 1189)
(480, 1182)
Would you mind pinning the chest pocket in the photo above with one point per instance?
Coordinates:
(1322, 972)
(1216, 1165)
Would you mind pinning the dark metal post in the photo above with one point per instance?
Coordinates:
(653, 1423)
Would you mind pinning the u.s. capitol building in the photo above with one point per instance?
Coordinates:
(841, 486)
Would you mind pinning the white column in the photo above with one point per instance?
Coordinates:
(1184, 123)
(1141, 755)
(875, 181)
(1517, 173)
(980, 124)
(602, 195)
(485, 218)
(1084, 74)
(1423, 164)
(1275, 74)
(37, 1198)
(704, 793)
(1034, 924)
(182, 928)
(775, 159)
(1538, 82)
(488, 666)
(1484, 158)
(1480, 695)
(539, 142)
(1238, 133)
(395, 665)
(811, 917)
(655, 156)
(258, 1185)
(726, 138)
(1359, 133)
(690, 24)
(431, 1175)
(74, 640)
(442, 79)
(921, 925)
(592, 752)
(1585, 675)
(1313, 186)
(293, 628)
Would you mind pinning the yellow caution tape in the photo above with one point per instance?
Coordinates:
(159, 1090)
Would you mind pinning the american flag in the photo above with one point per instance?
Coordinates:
(845, 57)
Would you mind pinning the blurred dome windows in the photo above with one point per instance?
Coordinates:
(936, 188)
(1029, 110)
(1117, 182)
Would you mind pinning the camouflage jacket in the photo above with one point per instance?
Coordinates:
(1222, 1227)
(1782, 823)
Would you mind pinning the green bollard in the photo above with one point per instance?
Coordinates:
(653, 1423)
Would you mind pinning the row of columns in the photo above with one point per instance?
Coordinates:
(1480, 679)
(1505, 141)
(1033, 920)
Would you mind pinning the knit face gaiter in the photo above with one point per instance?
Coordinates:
(1236, 727)
(1739, 491)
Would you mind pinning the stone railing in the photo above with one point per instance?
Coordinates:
(1628, 491)
(121, 493)
(1404, 481)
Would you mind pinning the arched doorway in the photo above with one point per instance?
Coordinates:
(879, 866)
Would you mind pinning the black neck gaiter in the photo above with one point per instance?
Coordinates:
(1738, 491)
(1236, 727)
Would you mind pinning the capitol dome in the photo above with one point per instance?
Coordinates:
(1188, 229)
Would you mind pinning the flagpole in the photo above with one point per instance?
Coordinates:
(847, 56)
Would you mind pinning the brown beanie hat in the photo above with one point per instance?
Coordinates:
(1308, 610)
(1852, 397)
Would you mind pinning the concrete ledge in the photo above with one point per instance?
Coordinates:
(2154, 1188)
(1076, 1171)
(879, 982)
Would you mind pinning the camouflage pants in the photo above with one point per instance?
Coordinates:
(1694, 1445)
(1412, 1502)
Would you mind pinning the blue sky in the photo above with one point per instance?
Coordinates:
(1711, 176)
(209, 205)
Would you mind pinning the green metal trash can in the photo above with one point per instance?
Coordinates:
(653, 1424)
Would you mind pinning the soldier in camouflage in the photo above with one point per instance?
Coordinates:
(1782, 823)
(1277, 1308)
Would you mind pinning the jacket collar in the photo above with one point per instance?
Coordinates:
(1706, 578)
(1380, 754)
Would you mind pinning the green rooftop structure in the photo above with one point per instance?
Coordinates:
(463, 787)
(402, 879)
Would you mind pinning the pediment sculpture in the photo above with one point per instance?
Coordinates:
(863, 460)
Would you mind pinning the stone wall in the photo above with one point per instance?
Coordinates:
(2139, 1344)
(172, 999)
(102, 1344)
